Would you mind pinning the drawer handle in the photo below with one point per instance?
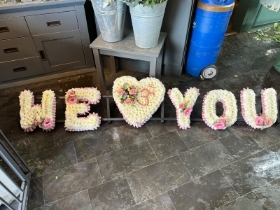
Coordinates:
(43, 55)
(11, 50)
(4, 29)
(53, 23)
(23, 68)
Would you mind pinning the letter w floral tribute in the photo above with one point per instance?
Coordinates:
(139, 100)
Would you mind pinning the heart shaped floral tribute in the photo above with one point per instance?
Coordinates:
(137, 100)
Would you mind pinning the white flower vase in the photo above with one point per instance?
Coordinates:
(110, 19)
(146, 23)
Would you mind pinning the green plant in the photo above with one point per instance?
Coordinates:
(150, 3)
(268, 34)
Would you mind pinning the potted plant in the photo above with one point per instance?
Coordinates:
(110, 17)
(146, 16)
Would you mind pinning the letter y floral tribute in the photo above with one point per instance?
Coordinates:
(139, 100)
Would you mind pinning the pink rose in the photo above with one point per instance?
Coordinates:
(188, 111)
(259, 121)
(72, 94)
(182, 106)
(47, 122)
(267, 122)
(121, 91)
(72, 100)
(221, 124)
(128, 101)
(132, 91)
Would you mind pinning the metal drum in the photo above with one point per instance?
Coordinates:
(209, 28)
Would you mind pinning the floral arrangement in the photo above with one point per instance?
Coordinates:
(78, 101)
(128, 94)
(269, 108)
(183, 104)
(229, 115)
(142, 98)
(42, 115)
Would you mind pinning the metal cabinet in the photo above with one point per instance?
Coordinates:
(41, 38)
(57, 39)
(18, 54)
(60, 51)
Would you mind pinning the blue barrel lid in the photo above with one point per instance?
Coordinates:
(218, 2)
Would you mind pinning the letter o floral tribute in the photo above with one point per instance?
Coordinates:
(209, 115)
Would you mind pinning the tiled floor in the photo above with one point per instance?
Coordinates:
(157, 166)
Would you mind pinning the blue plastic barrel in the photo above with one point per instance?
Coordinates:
(209, 28)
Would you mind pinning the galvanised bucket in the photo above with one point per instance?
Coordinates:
(146, 23)
(110, 19)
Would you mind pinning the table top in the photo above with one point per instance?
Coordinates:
(127, 45)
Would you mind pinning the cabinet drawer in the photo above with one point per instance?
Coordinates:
(13, 28)
(20, 69)
(51, 23)
(13, 49)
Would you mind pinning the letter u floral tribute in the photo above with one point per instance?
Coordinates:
(139, 100)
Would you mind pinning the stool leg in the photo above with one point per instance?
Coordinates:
(113, 64)
(153, 63)
(162, 112)
(159, 64)
(99, 68)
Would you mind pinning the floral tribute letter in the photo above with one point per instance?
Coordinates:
(78, 102)
(137, 100)
(209, 115)
(42, 115)
(184, 105)
(269, 108)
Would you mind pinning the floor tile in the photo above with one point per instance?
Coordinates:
(269, 160)
(33, 142)
(264, 138)
(247, 174)
(156, 128)
(95, 145)
(206, 158)
(155, 179)
(161, 202)
(128, 135)
(36, 196)
(50, 160)
(125, 160)
(235, 85)
(199, 134)
(248, 201)
(208, 192)
(61, 136)
(269, 194)
(76, 201)
(240, 147)
(167, 145)
(112, 195)
(73, 179)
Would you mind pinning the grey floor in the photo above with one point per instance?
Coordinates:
(157, 166)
